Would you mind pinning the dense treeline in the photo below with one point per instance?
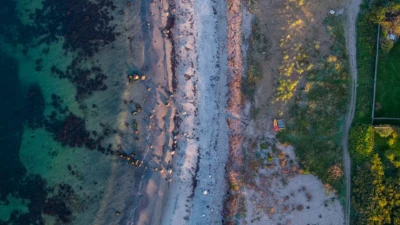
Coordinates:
(376, 180)
(375, 197)
(375, 152)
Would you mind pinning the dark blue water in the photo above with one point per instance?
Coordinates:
(11, 127)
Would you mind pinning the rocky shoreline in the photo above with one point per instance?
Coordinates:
(201, 133)
(235, 109)
(204, 65)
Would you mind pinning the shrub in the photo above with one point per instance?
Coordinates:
(269, 157)
(384, 131)
(361, 142)
(386, 45)
(264, 146)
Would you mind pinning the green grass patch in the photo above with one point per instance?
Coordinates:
(260, 44)
(315, 127)
(366, 48)
(254, 74)
(386, 122)
(388, 84)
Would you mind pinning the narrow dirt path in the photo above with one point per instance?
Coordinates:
(351, 37)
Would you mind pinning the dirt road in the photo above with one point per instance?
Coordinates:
(351, 35)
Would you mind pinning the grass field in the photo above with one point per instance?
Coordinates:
(388, 84)
(366, 42)
(315, 124)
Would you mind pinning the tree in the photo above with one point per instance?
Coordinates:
(387, 16)
(368, 198)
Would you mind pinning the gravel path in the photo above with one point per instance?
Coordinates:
(351, 37)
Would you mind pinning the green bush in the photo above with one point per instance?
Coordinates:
(384, 131)
(361, 142)
(269, 157)
(264, 146)
(386, 45)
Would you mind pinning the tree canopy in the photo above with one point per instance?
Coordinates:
(388, 16)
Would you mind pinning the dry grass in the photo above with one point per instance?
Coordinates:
(288, 38)
(288, 41)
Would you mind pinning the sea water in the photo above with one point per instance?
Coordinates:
(63, 125)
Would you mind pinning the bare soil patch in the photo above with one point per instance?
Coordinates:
(280, 28)
(289, 39)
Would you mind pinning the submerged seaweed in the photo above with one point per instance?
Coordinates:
(86, 81)
(84, 25)
(71, 132)
(15, 180)
(34, 107)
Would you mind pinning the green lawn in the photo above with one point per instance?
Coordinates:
(388, 84)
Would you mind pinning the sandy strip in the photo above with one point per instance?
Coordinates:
(196, 192)
(159, 111)
(212, 99)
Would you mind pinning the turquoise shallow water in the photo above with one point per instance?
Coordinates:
(64, 67)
